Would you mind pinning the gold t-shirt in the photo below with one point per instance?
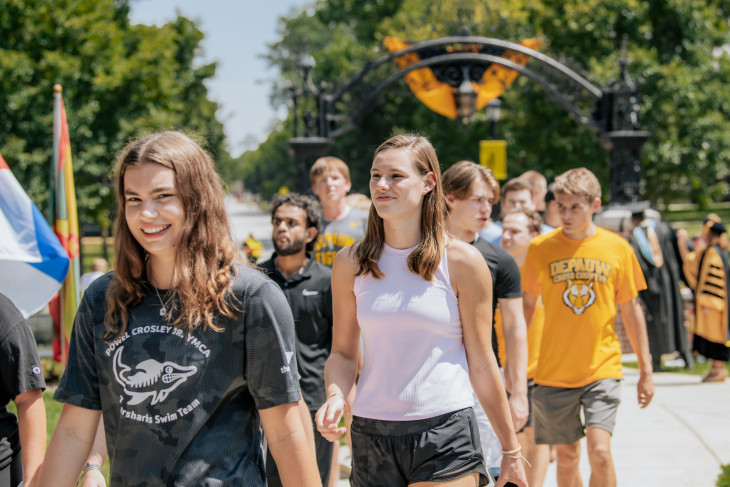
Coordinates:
(580, 282)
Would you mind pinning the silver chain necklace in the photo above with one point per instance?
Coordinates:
(163, 305)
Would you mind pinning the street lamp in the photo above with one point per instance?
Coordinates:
(466, 101)
(493, 112)
(308, 148)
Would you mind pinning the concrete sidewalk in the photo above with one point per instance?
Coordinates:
(682, 438)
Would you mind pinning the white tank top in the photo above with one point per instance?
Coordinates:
(414, 361)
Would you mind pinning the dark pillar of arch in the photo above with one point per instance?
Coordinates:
(621, 135)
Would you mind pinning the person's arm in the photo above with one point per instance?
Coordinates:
(288, 439)
(32, 430)
(515, 338)
(93, 477)
(529, 305)
(69, 447)
(472, 283)
(307, 422)
(342, 364)
(682, 245)
(633, 318)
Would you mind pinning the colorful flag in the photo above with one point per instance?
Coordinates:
(66, 226)
(32, 262)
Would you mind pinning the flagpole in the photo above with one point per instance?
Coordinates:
(57, 90)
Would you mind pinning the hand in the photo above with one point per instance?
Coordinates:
(511, 470)
(520, 410)
(328, 418)
(682, 235)
(93, 478)
(645, 389)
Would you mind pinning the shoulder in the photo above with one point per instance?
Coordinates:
(614, 239)
(545, 239)
(319, 270)
(267, 267)
(345, 260)
(250, 280)
(461, 253)
(496, 257)
(95, 294)
(10, 317)
(359, 214)
(712, 256)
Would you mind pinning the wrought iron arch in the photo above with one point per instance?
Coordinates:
(612, 112)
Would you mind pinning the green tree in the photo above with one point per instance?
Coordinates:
(119, 81)
(675, 48)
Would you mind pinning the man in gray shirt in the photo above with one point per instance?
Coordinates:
(342, 224)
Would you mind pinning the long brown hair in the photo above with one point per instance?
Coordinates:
(425, 259)
(205, 255)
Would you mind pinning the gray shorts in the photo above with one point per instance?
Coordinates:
(557, 410)
(530, 390)
(399, 453)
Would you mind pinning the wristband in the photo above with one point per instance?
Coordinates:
(516, 451)
(342, 396)
(90, 466)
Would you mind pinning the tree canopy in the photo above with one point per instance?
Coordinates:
(119, 80)
(675, 48)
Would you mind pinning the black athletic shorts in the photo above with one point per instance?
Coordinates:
(398, 453)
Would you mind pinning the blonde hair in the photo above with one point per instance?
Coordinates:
(534, 220)
(205, 255)
(326, 164)
(534, 178)
(578, 182)
(425, 259)
(516, 184)
(461, 176)
(358, 200)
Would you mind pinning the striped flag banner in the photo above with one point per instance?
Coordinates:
(32, 262)
(66, 226)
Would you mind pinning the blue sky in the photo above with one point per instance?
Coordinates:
(236, 34)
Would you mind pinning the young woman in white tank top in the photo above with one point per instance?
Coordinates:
(423, 303)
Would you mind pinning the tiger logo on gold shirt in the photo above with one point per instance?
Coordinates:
(579, 295)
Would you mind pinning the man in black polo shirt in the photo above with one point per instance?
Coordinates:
(306, 285)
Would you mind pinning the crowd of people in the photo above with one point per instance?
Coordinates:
(448, 347)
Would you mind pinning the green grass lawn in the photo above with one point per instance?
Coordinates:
(690, 217)
(724, 479)
(699, 368)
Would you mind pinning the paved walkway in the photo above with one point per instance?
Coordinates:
(682, 438)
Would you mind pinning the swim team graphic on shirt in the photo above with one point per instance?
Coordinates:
(580, 275)
(150, 378)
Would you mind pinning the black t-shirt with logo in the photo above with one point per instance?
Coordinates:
(309, 293)
(20, 371)
(179, 409)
